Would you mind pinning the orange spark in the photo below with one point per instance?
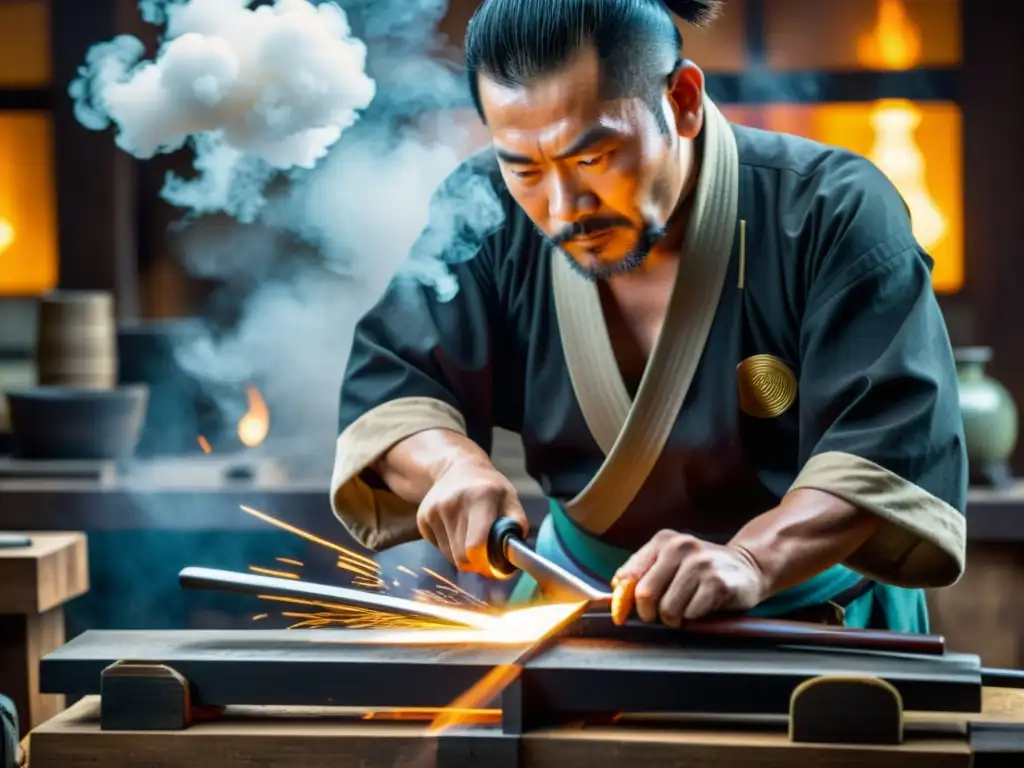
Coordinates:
(461, 711)
(269, 572)
(346, 553)
(204, 444)
(453, 585)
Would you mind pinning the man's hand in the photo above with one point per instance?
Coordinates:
(677, 577)
(458, 511)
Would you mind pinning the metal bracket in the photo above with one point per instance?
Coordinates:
(845, 709)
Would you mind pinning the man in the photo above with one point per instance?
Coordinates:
(720, 346)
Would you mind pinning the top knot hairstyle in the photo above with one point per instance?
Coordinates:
(513, 42)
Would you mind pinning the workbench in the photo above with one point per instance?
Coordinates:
(312, 698)
(322, 738)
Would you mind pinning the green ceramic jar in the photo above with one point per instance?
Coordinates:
(990, 417)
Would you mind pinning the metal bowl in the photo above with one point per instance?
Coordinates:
(66, 423)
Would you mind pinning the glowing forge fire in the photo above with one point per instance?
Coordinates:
(254, 426)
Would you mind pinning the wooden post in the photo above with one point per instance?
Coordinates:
(993, 164)
(95, 179)
(37, 581)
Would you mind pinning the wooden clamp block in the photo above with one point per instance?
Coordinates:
(140, 696)
(38, 579)
(843, 709)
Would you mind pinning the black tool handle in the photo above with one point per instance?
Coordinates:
(503, 529)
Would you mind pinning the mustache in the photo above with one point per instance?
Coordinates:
(589, 227)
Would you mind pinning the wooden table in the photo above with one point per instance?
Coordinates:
(35, 583)
(318, 738)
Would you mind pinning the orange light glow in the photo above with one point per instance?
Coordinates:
(895, 44)
(6, 235)
(254, 426)
(848, 125)
(204, 444)
(918, 145)
(28, 211)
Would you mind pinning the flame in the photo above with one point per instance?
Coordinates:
(6, 234)
(895, 44)
(255, 424)
(204, 444)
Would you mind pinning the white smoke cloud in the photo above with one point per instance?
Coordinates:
(258, 90)
(302, 118)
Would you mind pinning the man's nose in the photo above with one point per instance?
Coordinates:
(568, 201)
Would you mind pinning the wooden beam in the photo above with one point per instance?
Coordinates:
(993, 167)
(28, 99)
(95, 179)
(762, 87)
(322, 738)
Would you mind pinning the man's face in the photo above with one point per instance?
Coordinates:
(599, 178)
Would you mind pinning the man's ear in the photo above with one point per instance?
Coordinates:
(686, 95)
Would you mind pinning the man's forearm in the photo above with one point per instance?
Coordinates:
(809, 532)
(410, 468)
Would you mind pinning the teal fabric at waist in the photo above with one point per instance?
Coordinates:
(565, 543)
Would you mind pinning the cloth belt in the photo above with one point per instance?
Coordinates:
(835, 596)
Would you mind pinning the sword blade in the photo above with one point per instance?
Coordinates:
(271, 586)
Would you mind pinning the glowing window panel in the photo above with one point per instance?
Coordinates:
(917, 144)
(857, 34)
(24, 43)
(28, 209)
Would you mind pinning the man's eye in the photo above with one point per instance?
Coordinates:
(590, 162)
(524, 174)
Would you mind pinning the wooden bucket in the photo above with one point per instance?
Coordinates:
(76, 344)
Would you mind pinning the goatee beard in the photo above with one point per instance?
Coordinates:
(649, 237)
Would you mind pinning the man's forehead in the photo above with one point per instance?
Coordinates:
(549, 118)
(572, 92)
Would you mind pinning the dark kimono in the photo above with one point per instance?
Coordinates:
(807, 350)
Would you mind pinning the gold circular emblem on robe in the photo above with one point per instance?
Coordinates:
(767, 386)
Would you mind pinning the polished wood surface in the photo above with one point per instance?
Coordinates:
(320, 737)
(53, 570)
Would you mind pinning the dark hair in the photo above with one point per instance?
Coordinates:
(638, 45)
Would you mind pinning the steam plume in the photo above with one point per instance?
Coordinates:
(305, 122)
